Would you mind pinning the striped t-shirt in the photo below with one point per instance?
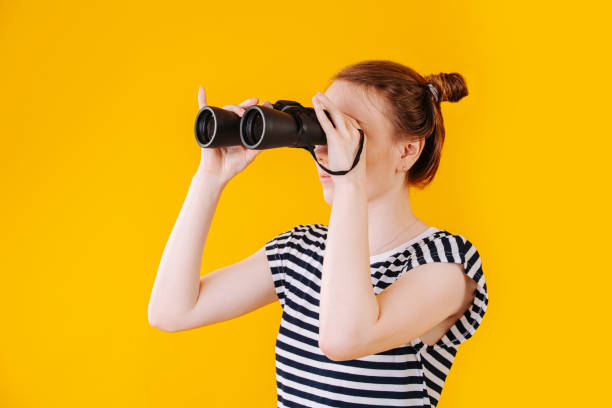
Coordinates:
(411, 375)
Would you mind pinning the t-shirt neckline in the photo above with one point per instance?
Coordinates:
(384, 255)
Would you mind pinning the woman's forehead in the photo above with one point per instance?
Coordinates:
(355, 102)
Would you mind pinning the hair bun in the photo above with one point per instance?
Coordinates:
(451, 87)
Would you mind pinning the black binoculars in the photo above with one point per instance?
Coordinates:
(286, 124)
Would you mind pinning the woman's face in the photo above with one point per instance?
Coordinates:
(383, 156)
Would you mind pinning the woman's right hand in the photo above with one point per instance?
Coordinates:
(227, 161)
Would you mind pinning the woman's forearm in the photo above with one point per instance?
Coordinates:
(347, 304)
(177, 284)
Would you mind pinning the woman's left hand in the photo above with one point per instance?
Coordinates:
(342, 141)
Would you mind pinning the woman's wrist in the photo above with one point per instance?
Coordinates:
(211, 180)
(349, 183)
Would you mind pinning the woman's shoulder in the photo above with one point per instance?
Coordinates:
(444, 246)
(455, 248)
(301, 237)
(308, 231)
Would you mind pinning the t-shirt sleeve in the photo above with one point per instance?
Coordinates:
(457, 249)
(276, 250)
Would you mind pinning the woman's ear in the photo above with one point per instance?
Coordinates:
(409, 152)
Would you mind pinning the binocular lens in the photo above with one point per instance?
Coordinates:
(253, 127)
(205, 127)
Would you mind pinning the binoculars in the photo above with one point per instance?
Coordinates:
(286, 124)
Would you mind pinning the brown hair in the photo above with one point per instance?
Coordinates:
(411, 106)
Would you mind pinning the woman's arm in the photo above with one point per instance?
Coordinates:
(354, 322)
(177, 283)
(180, 298)
(348, 305)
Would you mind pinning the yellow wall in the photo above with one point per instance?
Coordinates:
(97, 106)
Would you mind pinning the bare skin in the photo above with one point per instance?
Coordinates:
(181, 299)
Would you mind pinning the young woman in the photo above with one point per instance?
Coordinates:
(376, 303)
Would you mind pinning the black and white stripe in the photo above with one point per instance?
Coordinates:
(411, 375)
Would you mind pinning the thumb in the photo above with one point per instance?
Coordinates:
(251, 154)
(201, 97)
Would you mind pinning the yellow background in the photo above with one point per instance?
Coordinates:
(97, 106)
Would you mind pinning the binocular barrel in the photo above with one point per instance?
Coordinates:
(287, 123)
(215, 127)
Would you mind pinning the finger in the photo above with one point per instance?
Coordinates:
(234, 108)
(266, 103)
(201, 97)
(248, 102)
(323, 121)
(337, 116)
(353, 124)
(252, 153)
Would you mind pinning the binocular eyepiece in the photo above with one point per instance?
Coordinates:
(286, 124)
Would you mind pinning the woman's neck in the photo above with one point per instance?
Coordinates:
(391, 222)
